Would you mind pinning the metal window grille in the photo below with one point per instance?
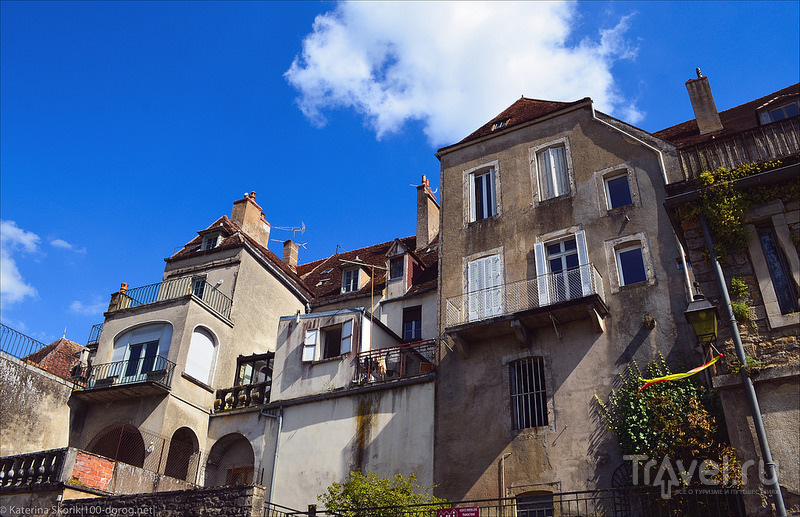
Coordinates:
(528, 393)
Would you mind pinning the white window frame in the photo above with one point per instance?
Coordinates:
(314, 344)
(492, 170)
(536, 172)
(546, 282)
(199, 286)
(627, 249)
(603, 176)
(484, 300)
(393, 260)
(613, 177)
(350, 284)
(765, 115)
(210, 241)
(623, 243)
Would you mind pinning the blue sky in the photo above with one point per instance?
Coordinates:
(125, 127)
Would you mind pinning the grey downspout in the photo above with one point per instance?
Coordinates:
(749, 389)
(277, 449)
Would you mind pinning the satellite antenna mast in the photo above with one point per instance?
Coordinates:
(293, 229)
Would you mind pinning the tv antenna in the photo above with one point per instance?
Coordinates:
(293, 229)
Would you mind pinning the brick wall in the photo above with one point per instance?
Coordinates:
(92, 471)
(238, 501)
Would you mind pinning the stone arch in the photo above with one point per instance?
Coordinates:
(120, 442)
(231, 461)
(182, 458)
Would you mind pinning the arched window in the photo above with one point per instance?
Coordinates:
(230, 462)
(200, 360)
(141, 350)
(120, 442)
(183, 455)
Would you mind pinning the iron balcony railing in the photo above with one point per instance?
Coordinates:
(155, 369)
(395, 362)
(765, 143)
(17, 344)
(515, 297)
(94, 335)
(198, 288)
(238, 397)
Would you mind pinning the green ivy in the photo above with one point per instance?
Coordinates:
(382, 496)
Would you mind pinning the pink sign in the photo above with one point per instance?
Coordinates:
(470, 511)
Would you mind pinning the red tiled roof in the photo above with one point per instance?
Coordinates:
(734, 120)
(523, 110)
(233, 237)
(324, 277)
(57, 358)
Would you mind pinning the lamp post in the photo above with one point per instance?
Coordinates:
(702, 316)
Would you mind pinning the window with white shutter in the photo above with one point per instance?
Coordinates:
(484, 286)
(310, 345)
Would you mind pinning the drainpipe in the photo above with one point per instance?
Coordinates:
(277, 448)
(666, 181)
(749, 389)
(503, 478)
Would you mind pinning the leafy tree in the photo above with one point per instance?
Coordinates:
(676, 419)
(381, 496)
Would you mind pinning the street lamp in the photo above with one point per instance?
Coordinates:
(702, 315)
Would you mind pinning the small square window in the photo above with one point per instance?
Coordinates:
(630, 262)
(618, 191)
(553, 172)
(412, 323)
(396, 268)
(332, 342)
(350, 280)
(210, 241)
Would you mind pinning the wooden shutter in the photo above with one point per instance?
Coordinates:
(310, 345)
(347, 336)
(583, 262)
(542, 279)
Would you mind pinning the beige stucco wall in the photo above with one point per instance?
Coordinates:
(573, 452)
(392, 313)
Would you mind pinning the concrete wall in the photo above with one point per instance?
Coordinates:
(386, 431)
(573, 452)
(33, 400)
(392, 313)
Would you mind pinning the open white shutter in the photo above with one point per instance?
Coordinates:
(310, 345)
(542, 280)
(583, 262)
(471, 200)
(495, 281)
(347, 336)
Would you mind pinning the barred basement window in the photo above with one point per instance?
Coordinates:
(528, 393)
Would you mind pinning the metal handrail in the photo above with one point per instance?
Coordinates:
(514, 297)
(17, 344)
(155, 369)
(768, 142)
(171, 290)
(94, 334)
(395, 362)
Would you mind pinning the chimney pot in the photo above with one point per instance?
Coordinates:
(123, 288)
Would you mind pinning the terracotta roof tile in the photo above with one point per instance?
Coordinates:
(57, 358)
(734, 120)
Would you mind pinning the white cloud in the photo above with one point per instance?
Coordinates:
(61, 243)
(94, 308)
(452, 65)
(13, 240)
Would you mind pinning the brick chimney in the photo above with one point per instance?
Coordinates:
(705, 109)
(427, 214)
(248, 215)
(290, 250)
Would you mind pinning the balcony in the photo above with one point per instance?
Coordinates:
(94, 336)
(765, 143)
(119, 380)
(561, 296)
(241, 397)
(196, 288)
(395, 362)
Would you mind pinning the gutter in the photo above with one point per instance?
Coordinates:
(771, 483)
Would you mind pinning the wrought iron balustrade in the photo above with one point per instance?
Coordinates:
(17, 344)
(94, 335)
(515, 297)
(396, 362)
(238, 397)
(171, 290)
(156, 369)
(765, 143)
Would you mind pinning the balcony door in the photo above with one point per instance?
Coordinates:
(562, 267)
(141, 359)
(484, 288)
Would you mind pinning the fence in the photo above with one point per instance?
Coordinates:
(642, 501)
(171, 290)
(17, 344)
(514, 297)
(144, 369)
(396, 362)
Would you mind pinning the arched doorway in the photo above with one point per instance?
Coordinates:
(230, 462)
(120, 442)
(182, 457)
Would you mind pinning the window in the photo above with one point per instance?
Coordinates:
(198, 286)
(200, 360)
(562, 268)
(254, 369)
(334, 341)
(412, 323)
(618, 191)
(540, 505)
(350, 280)
(141, 359)
(780, 113)
(630, 263)
(484, 287)
(553, 172)
(528, 393)
(396, 268)
(778, 268)
(141, 350)
(483, 200)
(210, 241)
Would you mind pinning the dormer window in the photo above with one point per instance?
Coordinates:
(350, 280)
(499, 125)
(210, 241)
(396, 268)
(780, 112)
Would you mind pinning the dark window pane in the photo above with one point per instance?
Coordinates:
(778, 271)
(631, 265)
(619, 192)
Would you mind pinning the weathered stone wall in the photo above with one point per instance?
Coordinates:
(239, 501)
(33, 401)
